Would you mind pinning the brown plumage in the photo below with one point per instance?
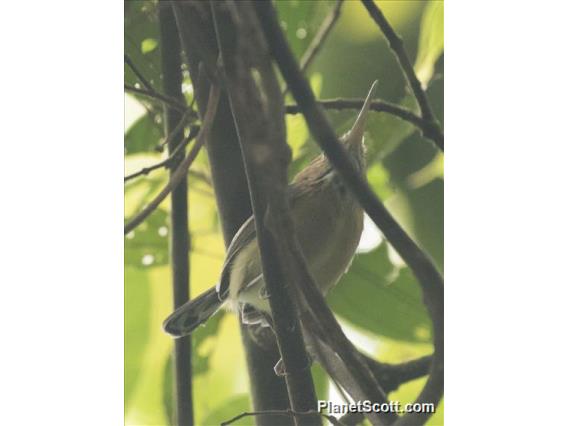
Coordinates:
(328, 222)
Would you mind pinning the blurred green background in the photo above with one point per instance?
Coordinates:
(378, 301)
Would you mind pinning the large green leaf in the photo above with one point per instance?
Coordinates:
(136, 326)
(202, 347)
(381, 298)
(144, 135)
(431, 41)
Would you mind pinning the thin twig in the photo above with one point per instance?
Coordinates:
(136, 71)
(397, 46)
(181, 170)
(431, 132)
(332, 419)
(428, 276)
(156, 95)
(168, 161)
(322, 34)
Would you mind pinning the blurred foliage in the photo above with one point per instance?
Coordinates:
(378, 300)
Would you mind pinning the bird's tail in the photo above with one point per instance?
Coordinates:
(192, 314)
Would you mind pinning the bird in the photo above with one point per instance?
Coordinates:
(328, 221)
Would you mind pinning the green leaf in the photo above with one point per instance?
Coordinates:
(148, 45)
(136, 326)
(145, 404)
(300, 21)
(202, 342)
(168, 391)
(143, 136)
(431, 42)
(386, 132)
(382, 298)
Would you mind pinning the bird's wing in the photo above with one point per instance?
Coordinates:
(245, 234)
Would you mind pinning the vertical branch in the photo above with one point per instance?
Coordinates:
(268, 391)
(179, 240)
(258, 112)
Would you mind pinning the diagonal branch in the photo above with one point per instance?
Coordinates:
(152, 94)
(391, 376)
(181, 171)
(322, 34)
(397, 46)
(422, 267)
(139, 75)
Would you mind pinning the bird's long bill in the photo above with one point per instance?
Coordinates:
(356, 132)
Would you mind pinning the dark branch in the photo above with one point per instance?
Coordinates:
(397, 46)
(422, 267)
(168, 161)
(174, 103)
(431, 132)
(391, 376)
(268, 391)
(289, 413)
(180, 243)
(179, 174)
(259, 119)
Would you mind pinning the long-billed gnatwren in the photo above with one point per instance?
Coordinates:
(328, 221)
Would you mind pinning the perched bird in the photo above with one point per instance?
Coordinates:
(328, 222)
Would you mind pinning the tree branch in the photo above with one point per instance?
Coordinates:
(152, 94)
(289, 413)
(322, 34)
(391, 376)
(259, 119)
(180, 172)
(397, 46)
(431, 132)
(179, 214)
(422, 267)
(138, 74)
(268, 391)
